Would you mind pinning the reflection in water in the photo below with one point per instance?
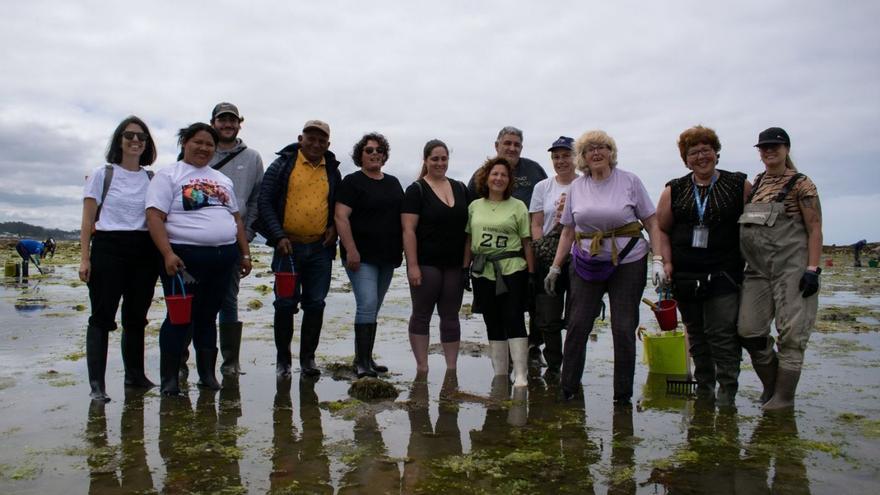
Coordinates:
(654, 395)
(622, 476)
(134, 474)
(427, 443)
(711, 461)
(300, 464)
(200, 454)
(370, 468)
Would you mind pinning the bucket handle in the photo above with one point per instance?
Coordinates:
(640, 332)
(179, 279)
(290, 259)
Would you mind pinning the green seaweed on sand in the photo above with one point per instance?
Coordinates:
(838, 347)
(369, 388)
(263, 289)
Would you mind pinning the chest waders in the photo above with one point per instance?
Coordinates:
(774, 246)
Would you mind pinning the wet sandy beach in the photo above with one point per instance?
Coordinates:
(444, 433)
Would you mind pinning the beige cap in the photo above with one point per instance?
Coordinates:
(319, 125)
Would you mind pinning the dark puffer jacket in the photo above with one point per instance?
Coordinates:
(273, 192)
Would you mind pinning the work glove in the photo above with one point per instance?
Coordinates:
(466, 278)
(810, 282)
(550, 280)
(660, 278)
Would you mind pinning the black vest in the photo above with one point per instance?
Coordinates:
(723, 209)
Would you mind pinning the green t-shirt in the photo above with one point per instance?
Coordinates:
(498, 227)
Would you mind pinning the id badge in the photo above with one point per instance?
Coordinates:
(701, 237)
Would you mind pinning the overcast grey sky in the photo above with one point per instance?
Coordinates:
(454, 70)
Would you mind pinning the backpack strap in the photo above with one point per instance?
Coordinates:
(108, 178)
(229, 157)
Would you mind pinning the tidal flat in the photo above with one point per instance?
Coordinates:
(442, 432)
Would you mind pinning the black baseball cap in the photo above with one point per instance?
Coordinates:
(773, 135)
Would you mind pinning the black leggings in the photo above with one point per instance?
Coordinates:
(503, 314)
(441, 287)
(125, 265)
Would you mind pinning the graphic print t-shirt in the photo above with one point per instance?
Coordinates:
(199, 202)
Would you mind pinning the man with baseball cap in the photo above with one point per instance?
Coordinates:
(244, 166)
(297, 199)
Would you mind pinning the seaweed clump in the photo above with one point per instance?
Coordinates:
(369, 388)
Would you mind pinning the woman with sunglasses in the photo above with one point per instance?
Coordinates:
(117, 257)
(367, 217)
(193, 218)
(781, 241)
(699, 244)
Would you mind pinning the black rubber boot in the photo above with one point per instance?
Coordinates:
(362, 350)
(312, 321)
(96, 359)
(184, 353)
(283, 335)
(230, 346)
(133, 358)
(169, 372)
(783, 395)
(553, 350)
(206, 361)
(378, 367)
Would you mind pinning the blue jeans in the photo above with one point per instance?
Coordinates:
(369, 284)
(211, 267)
(311, 263)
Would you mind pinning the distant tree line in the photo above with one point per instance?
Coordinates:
(21, 229)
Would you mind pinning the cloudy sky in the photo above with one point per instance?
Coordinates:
(455, 70)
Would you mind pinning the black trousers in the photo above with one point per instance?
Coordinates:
(125, 265)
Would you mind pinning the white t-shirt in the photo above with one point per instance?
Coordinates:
(549, 197)
(607, 204)
(123, 207)
(199, 202)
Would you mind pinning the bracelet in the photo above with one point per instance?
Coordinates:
(657, 257)
(246, 257)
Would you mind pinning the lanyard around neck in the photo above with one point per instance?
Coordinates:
(701, 203)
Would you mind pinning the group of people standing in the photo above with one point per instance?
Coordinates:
(551, 247)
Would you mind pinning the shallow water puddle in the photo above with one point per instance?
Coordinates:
(445, 432)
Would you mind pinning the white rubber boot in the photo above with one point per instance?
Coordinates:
(519, 353)
(499, 353)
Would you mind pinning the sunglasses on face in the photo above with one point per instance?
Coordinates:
(130, 135)
(370, 150)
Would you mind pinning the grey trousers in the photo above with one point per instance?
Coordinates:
(714, 344)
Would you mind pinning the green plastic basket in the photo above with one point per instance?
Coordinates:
(664, 352)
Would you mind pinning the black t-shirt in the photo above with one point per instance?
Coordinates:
(440, 233)
(375, 216)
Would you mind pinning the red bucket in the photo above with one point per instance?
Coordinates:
(179, 308)
(667, 314)
(179, 305)
(285, 282)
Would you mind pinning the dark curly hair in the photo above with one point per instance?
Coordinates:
(114, 149)
(481, 178)
(695, 136)
(358, 149)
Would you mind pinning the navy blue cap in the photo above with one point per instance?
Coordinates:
(563, 142)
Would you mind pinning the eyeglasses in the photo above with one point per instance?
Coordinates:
(130, 135)
(370, 150)
(700, 152)
(597, 147)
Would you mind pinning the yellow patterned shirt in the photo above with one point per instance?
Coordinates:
(306, 209)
